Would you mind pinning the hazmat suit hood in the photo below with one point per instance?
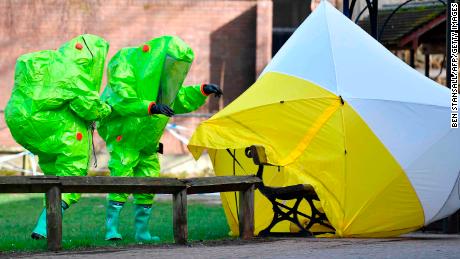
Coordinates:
(49, 79)
(88, 52)
(176, 66)
(69, 77)
(158, 66)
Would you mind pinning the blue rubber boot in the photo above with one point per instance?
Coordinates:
(142, 217)
(112, 219)
(39, 231)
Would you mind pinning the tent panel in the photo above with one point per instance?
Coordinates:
(435, 173)
(309, 46)
(379, 199)
(366, 69)
(283, 128)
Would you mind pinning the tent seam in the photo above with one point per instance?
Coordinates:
(413, 186)
(332, 51)
(428, 149)
(445, 202)
(341, 110)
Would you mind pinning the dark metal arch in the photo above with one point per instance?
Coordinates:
(348, 8)
(352, 7)
(373, 8)
(371, 5)
(360, 13)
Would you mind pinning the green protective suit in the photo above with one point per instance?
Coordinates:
(138, 78)
(54, 101)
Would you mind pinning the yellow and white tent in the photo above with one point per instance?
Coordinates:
(337, 110)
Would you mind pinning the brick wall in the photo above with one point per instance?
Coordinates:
(222, 33)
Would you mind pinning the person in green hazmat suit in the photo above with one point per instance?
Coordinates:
(144, 89)
(54, 101)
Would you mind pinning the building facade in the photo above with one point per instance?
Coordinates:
(231, 40)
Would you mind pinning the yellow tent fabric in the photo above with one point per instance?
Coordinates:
(314, 137)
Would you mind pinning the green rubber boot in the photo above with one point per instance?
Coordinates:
(112, 219)
(39, 231)
(142, 217)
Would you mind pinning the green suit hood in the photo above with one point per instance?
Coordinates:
(90, 59)
(144, 74)
(69, 76)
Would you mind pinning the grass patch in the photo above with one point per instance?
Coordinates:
(84, 223)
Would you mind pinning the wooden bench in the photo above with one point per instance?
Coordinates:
(53, 186)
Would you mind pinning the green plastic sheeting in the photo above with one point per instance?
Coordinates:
(138, 77)
(54, 101)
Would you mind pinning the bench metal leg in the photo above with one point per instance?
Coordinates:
(180, 217)
(246, 215)
(54, 218)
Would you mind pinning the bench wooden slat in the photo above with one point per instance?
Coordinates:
(97, 184)
(220, 184)
(104, 184)
(24, 184)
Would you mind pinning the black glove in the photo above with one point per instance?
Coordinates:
(212, 89)
(161, 109)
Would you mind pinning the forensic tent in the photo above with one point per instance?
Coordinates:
(337, 110)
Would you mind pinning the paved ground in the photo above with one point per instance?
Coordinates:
(409, 246)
